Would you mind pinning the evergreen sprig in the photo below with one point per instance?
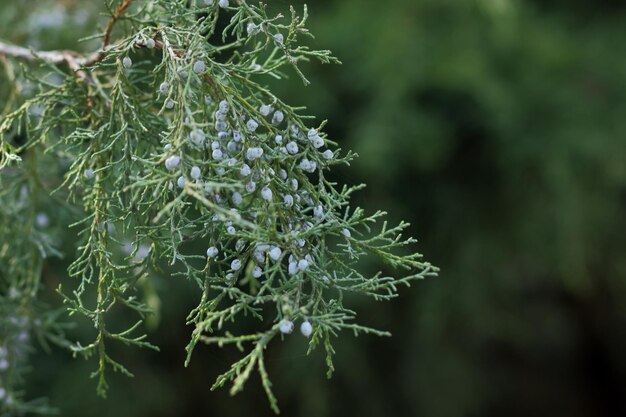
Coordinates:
(165, 136)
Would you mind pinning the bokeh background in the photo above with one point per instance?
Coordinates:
(498, 129)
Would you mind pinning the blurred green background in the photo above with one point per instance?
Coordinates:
(498, 129)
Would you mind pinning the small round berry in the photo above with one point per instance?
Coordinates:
(327, 154)
(312, 133)
(254, 153)
(266, 194)
(308, 166)
(217, 154)
(212, 252)
(89, 173)
(208, 2)
(207, 99)
(236, 198)
(278, 139)
(303, 264)
(275, 253)
(164, 87)
(199, 67)
(286, 326)
(257, 272)
(180, 182)
(42, 220)
(294, 184)
(215, 145)
(318, 211)
(169, 103)
(237, 136)
(306, 329)
(195, 172)
(197, 136)
(278, 117)
(265, 110)
(223, 4)
(235, 264)
(279, 39)
(231, 230)
(150, 43)
(231, 146)
(183, 73)
(251, 186)
(224, 106)
(293, 268)
(221, 126)
(317, 141)
(288, 200)
(252, 125)
(245, 170)
(127, 62)
(292, 148)
(252, 29)
(346, 233)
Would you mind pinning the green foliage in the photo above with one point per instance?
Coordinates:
(164, 138)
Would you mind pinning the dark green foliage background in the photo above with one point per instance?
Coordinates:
(498, 128)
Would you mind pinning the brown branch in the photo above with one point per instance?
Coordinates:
(106, 40)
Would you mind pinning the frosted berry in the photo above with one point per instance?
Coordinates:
(42, 220)
(235, 265)
(252, 125)
(266, 194)
(252, 28)
(292, 148)
(164, 87)
(180, 182)
(212, 252)
(245, 170)
(150, 43)
(275, 253)
(236, 198)
(199, 67)
(89, 173)
(195, 173)
(257, 272)
(265, 110)
(217, 154)
(306, 329)
(197, 136)
(303, 264)
(279, 39)
(278, 117)
(254, 153)
(127, 62)
(286, 326)
(223, 4)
